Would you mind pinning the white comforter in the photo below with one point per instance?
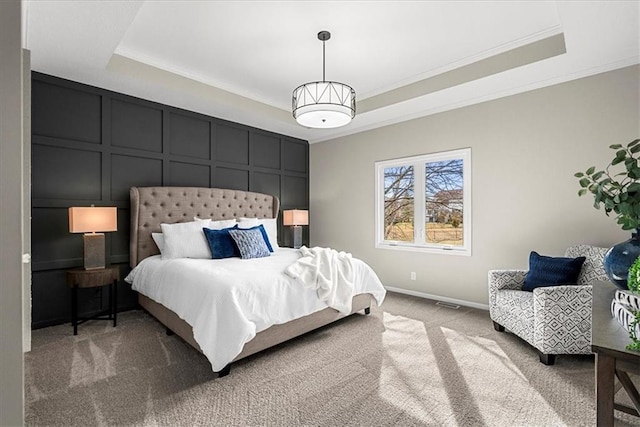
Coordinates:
(228, 301)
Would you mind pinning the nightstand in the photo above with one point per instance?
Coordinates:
(81, 278)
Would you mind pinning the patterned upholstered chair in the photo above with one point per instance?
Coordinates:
(555, 319)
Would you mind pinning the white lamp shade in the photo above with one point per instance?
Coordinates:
(295, 217)
(323, 116)
(93, 219)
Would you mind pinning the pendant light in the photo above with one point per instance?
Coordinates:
(324, 104)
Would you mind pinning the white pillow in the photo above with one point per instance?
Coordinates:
(185, 240)
(159, 239)
(225, 223)
(270, 226)
(218, 225)
(244, 223)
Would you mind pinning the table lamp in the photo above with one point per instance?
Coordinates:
(296, 218)
(93, 221)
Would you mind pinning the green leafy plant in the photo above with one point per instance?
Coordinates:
(616, 188)
(635, 339)
(633, 281)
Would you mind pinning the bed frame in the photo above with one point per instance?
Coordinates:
(152, 206)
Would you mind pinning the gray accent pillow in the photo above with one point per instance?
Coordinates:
(250, 243)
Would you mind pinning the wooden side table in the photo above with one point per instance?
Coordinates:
(613, 360)
(81, 278)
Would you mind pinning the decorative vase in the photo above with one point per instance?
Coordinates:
(619, 258)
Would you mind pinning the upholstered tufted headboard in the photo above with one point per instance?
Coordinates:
(152, 206)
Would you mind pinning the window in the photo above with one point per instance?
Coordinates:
(423, 203)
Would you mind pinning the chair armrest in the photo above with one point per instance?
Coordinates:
(577, 295)
(502, 280)
(506, 279)
(562, 319)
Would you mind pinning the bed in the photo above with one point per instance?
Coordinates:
(153, 206)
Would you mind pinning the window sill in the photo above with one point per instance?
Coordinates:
(442, 250)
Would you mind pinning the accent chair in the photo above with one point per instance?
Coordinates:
(553, 319)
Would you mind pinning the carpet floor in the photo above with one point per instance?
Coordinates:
(409, 363)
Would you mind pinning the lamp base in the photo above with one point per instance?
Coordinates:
(297, 236)
(94, 257)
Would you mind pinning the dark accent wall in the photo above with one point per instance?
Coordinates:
(90, 145)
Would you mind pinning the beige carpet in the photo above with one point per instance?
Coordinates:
(409, 363)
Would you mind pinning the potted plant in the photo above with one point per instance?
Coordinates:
(617, 189)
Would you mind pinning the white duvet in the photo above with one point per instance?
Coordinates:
(228, 301)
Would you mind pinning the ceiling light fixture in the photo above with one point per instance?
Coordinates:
(324, 104)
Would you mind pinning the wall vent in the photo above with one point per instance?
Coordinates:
(448, 305)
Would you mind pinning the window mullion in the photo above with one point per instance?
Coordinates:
(419, 204)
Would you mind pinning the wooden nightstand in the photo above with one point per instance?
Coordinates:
(81, 278)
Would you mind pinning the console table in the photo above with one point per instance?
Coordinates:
(608, 342)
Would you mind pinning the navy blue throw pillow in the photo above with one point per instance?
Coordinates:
(550, 271)
(221, 244)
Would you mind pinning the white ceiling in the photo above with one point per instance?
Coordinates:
(240, 60)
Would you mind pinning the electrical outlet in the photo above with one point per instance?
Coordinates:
(413, 275)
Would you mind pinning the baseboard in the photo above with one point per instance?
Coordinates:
(437, 298)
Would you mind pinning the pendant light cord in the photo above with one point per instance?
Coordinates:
(323, 62)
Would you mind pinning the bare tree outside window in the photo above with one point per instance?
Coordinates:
(444, 202)
(398, 203)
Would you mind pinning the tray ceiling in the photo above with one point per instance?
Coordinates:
(241, 60)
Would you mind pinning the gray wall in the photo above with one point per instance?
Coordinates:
(90, 145)
(11, 111)
(525, 150)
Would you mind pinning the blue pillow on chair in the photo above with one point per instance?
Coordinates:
(550, 271)
(220, 243)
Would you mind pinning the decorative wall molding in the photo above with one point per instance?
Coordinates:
(91, 145)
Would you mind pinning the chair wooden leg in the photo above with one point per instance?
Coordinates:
(547, 359)
(498, 327)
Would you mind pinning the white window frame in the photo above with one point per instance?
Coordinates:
(419, 244)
